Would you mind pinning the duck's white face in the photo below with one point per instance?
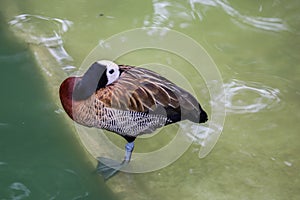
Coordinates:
(112, 70)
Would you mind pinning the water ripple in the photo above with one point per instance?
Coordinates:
(171, 13)
(270, 24)
(265, 23)
(3, 163)
(4, 124)
(84, 196)
(22, 191)
(249, 97)
(44, 31)
(168, 14)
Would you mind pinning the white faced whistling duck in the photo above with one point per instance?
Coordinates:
(128, 101)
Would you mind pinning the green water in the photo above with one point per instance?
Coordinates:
(256, 47)
(35, 162)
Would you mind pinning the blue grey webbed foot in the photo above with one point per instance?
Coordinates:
(108, 167)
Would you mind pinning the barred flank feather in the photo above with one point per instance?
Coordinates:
(123, 122)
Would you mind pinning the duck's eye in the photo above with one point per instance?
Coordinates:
(111, 71)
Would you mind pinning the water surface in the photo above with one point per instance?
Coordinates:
(255, 46)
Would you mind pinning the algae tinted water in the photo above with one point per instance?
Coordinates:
(38, 158)
(254, 44)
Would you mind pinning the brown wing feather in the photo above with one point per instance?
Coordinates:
(142, 90)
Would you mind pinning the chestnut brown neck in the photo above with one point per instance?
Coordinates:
(66, 94)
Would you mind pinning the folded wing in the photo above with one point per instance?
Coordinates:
(142, 90)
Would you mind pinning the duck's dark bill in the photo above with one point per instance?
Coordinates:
(108, 167)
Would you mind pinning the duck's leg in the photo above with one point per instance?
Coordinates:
(128, 152)
(108, 167)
